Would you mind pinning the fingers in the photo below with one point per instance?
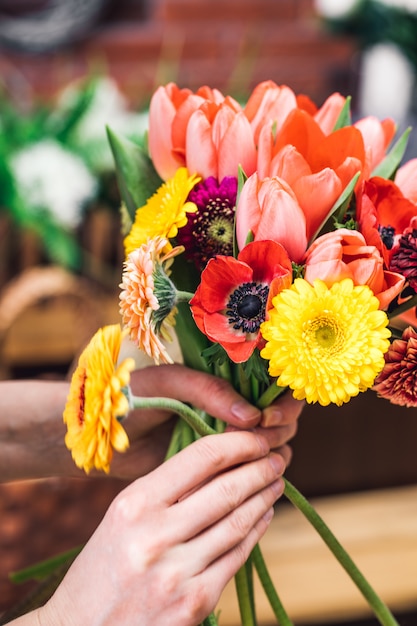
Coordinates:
(209, 393)
(228, 493)
(198, 463)
(285, 410)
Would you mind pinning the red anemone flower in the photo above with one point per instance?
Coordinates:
(233, 296)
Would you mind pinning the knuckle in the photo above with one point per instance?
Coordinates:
(229, 493)
(197, 603)
(240, 524)
(212, 453)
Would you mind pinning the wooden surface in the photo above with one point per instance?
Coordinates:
(379, 530)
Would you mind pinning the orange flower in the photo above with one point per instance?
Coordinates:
(268, 209)
(97, 402)
(344, 253)
(148, 297)
(316, 166)
(204, 131)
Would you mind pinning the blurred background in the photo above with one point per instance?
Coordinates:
(68, 68)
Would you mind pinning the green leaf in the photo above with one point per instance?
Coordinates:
(192, 341)
(136, 176)
(43, 569)
(389, 165)
(215, 355)
(345, 118)
(257, 367)
(241, 179)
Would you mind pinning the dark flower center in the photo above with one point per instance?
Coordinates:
(387, 235)
(246, 307)
(209, 231)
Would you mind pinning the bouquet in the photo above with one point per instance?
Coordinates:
(278, 240)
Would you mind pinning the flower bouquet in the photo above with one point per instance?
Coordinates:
(278, 239)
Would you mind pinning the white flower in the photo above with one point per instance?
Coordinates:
(51, 178)
(108, 107)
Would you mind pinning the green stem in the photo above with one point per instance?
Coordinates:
(244, 591)
(183, 296)
(175, 406)
(244, 384)
(210, 620)
(269, 588)
(405, 306)
(269, 395)
(379, 608)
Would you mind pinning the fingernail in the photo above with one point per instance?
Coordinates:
(245, 412)
(271, 417)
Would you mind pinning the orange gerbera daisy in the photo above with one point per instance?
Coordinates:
(148, 297)
(97, 401)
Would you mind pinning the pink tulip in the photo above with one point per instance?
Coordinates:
(269, 210)
(328, 114)
(169, 112)
(269, 103)
(377, 136)
(344, 253)
(218, 140)
(406, 180)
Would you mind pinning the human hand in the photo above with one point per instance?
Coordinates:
(172, 540)
(150, 430)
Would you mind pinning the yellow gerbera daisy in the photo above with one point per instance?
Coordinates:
(165, 212)
(97, 401)
(327, 344)
(148, 297)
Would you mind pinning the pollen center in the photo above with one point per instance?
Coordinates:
(220, 231)
(246, 307)
(324, 333)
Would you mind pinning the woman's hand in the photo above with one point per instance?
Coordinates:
(149, 430)
(172, 540)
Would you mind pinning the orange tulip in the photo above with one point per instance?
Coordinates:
(317, 166)
(344, 253)
(269, 210)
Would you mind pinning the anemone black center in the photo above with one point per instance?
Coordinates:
(246, 307)
(249, 306)
(387, 235)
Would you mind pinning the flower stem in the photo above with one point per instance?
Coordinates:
(183, 296)
(269, 395)
(379, 608)
(244, 591)
(210, 620)
(183, 410)
(268, 586)
(402, 308)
